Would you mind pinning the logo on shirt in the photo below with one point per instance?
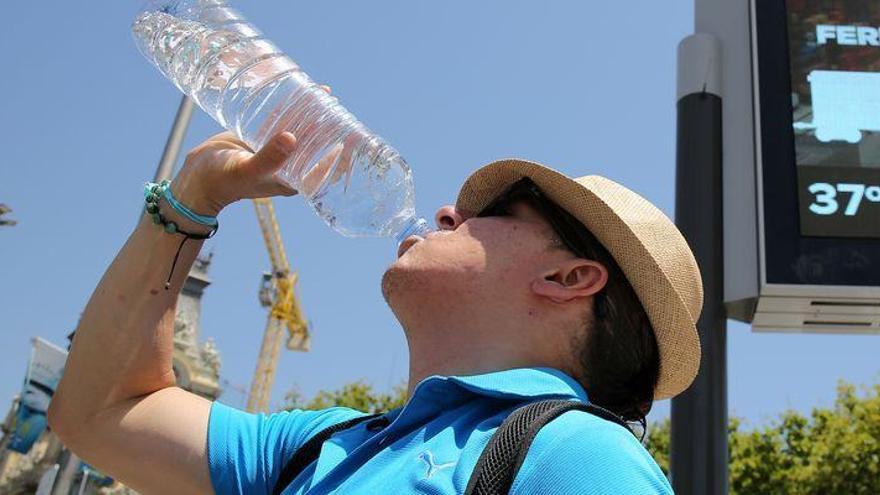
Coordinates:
(433, 467)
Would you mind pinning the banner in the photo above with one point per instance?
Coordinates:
(43, 374)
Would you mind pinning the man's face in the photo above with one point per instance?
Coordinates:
(471, 263)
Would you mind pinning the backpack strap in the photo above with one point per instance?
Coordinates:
(503, 456)
(309, 452)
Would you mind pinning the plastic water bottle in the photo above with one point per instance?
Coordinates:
(355, 181)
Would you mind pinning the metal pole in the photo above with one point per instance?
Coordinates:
(64, 479)
(83, 482)
(698, 452)
(4, 451)
(175, 140)
(44, 486)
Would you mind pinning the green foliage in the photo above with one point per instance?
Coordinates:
(658, 443)
(357, 395)
(834, 451)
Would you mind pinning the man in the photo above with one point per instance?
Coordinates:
(535, 286)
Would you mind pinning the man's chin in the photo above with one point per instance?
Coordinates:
(400, 277)
(390, 281)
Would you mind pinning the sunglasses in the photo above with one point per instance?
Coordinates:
(526, 191)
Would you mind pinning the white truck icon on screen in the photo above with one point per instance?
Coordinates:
(845, 103)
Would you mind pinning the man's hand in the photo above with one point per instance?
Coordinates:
(223, 170)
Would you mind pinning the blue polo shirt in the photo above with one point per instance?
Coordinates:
(431, 445)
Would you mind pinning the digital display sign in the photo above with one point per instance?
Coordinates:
(834, 62)
(816, 85)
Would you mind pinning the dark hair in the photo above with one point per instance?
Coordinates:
(620, 360)
(618, 354)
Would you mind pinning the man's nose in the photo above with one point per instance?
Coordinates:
(447, 218)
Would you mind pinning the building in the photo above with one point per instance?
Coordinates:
(197, 368)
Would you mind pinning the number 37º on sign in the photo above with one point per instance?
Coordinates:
(828, 198)
(839, 201)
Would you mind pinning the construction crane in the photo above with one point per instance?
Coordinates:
(276, 293)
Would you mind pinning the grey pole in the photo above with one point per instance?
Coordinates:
(64, 481)
(698, 456)
(64, 478)
(175, 140)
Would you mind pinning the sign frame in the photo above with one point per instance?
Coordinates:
(790, 263)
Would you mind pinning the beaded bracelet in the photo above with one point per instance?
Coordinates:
(152, 194)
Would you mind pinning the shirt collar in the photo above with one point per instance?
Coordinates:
(523, 383)
(437, 392)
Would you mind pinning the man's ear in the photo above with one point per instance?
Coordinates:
(572, 279)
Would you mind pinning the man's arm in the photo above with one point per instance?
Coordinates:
(117, 406)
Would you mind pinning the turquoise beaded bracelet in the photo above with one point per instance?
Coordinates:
(152, 193)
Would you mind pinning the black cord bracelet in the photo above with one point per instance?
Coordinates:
(152, 194)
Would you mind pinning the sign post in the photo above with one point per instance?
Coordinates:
(698, 454)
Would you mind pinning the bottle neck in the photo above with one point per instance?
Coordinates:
(415, 226)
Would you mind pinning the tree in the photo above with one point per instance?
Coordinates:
(657, 443)
(357, 395)
(834, 451)
(6, 221)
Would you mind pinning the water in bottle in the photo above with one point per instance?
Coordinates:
(355, 181)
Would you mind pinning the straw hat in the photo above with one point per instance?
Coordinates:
(650, 250)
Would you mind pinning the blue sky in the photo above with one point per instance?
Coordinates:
(585, 87)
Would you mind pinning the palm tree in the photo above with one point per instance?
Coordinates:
(8, 222)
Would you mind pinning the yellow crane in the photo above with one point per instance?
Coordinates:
(278, 294)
